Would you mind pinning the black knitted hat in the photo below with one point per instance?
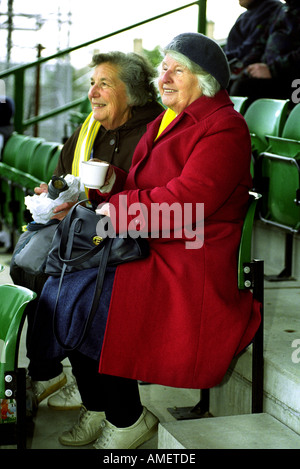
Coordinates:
(204, 52)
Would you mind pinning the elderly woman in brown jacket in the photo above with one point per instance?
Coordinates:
(123, 100)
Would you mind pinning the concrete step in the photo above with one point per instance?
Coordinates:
(252, 431)
(281, 379)
(281, 341)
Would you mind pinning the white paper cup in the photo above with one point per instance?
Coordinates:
(93, 173)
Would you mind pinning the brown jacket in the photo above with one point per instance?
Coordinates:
(115, 146)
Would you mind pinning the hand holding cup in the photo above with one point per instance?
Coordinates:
(95, 173)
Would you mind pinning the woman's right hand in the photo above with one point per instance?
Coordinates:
(62, 210)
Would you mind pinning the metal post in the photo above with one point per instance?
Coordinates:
(37, 89)
(19, 100)
(202, 16)
(258, 342)
(9, 30)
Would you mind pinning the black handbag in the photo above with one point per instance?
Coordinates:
(73, 248)
(77, 246)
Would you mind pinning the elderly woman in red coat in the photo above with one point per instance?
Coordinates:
(177, 318)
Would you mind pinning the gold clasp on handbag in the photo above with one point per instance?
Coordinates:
(97, 240)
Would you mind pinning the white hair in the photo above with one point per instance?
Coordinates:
(208, 84)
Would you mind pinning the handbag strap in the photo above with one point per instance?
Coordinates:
(97, 293)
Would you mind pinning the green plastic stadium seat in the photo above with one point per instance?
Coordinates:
(13, 302)
(278, 179)
(289, 143)
(53, 163)
(239, 103)
(40, 160)
(265, 117)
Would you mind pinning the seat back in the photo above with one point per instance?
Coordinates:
(265, 117)
(13, 301)
(53, 163)
(239, 103)
(291, 128)
(39, 162)
(245, 248)
(25, 153)
(13, 148)
(281, 176)
(289, 143)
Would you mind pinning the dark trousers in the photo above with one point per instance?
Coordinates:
(118, 397)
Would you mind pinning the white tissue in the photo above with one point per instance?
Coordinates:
(41, 206)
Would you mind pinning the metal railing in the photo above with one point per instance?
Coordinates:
(18, 72)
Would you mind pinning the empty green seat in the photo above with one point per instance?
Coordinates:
(280, 185)
(13, 302)
(25, 153)
(53, 163)
(265, 117)
(24, 167)
(7, 174)
(13, 147)
(40, 160)
(239, 103)
(289, 143)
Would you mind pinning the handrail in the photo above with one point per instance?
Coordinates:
(19, 71)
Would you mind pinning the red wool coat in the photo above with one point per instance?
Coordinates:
(177, 318)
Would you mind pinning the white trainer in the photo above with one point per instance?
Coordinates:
(85, 431)
(43, 389)
(68, 398)
(130, 437)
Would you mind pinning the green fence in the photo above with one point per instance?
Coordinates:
(18, 72)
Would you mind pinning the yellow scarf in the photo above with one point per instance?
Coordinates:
(168, 117)
(85, 142)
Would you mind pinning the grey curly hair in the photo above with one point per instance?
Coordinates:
(135, 71)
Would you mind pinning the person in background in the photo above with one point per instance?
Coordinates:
(123, 100)
(176, 318)
(249, 27)
(274, 62)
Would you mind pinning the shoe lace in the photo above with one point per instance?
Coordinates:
(78, 427)
(69, 390)
(105, 437)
